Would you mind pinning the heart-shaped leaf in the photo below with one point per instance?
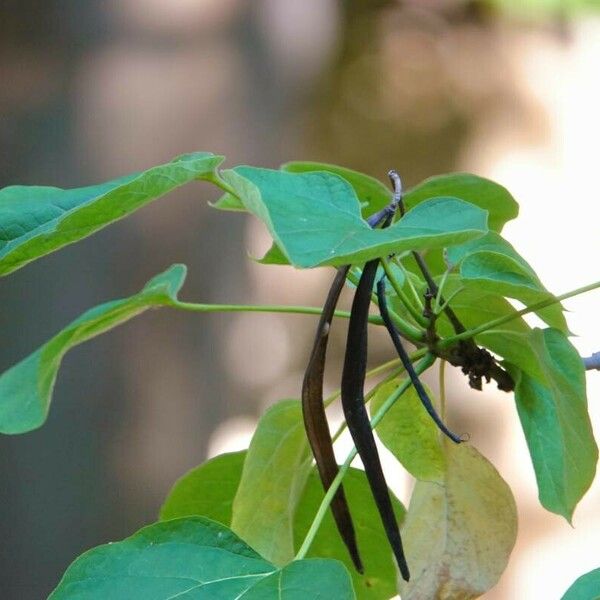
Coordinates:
(26, 388)
(275, 471)
(195, 558)
(459, 534)
(203, 492)
(482, 192)
(554, 416)
(315, 219)
(37, 220)
(372, 194)
(409, 433)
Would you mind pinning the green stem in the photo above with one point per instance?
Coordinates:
(411, 286)
(408, 330)
(216, 178)
(314, 527)
(507, 318)
(416, 315)
(438, 296)
(369, 396)
(447, 301)
(265, 308)
(372, 373)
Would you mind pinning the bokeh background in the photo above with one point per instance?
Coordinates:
(90, 90)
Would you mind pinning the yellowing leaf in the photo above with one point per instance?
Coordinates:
(410, 434)
(458, 535)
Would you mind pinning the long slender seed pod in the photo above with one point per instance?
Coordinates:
(404, 358)
(353, 379)
(315, 419)
(313, 410)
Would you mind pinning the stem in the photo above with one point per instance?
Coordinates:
(314, 527)
(377, 370)
(409, 331)
(369, 396)
(442, 380)
(519, 313)
(438, 296)
(216, 178)
(447, 301)
(416, 315)
(372, 373)
(411, 286)
(265, 308)
(592, 362)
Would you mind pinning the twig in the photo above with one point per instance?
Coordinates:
(592, 362)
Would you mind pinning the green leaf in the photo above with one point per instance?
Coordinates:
(372, 194)
(315, 218)
(474, 307)
(379, 580)
(273, 256)
(500, 274)
(36, 220)
(555, 420)
(458, 535)
(490, 242)
(195, 558)
(26, 388)
(409, 433)
(484, 193)
(586, 587)
(275, 471)
(203, 492)
(228, 202)
(206, 490)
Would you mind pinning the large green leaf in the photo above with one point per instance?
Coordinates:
(275, 471)
(586, 587)
(372, 194)
(26, 388)
(315, 220)
(35, 220)
(208, 490)
(195, 558)
(409, 433)
(458, 535)
(554, 416)
(490, 196)
(501, 274)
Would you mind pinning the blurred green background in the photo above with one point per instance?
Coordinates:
(91, 90)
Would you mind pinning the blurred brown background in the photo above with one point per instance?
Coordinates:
(91, 90)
